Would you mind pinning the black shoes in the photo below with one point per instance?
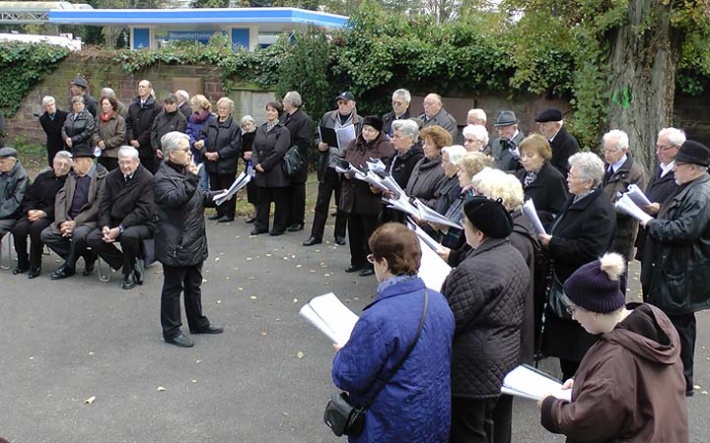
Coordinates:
(251, 219)
(34, 273)
(225, 219)
(339, 240)
(275, 233)
(367, 272)
(312, 241)
(21, 269)
(210, 329)
(295, 227)
(62, 272)
(353, 268)
(138, 271)
(89, 268)
(128, 282)
(214, 217)
(180, 340)
(258, 231)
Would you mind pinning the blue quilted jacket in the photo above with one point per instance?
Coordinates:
(415, 406)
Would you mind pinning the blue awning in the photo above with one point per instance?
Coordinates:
(130, 17)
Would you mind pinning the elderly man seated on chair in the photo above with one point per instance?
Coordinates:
(126, 213)
(76, 214)
(13, 186)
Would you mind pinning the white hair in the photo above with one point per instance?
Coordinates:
(182, 93)
(589, 167)
(405, 94)
(169, 142)
(478, 113)
(294, 98)
(675, 136)
(621, 138)
(47, 99)
(64, 155)
(128, 151)
(107, 92)
(408, 128)
(477, 132)
(456, 153)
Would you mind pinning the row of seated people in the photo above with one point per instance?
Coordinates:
(79, 209)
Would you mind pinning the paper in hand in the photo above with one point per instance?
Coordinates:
(627, 206)
(238, 184)
(531, 213)
(331, 317)
(637, 196)
(528, 382)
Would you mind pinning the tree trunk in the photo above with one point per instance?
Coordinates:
(644, 55)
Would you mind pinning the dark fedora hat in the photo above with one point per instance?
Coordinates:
(693, 152)
(82, 151)
(506, 118)
(81, 82)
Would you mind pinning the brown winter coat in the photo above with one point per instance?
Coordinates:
(112, 132)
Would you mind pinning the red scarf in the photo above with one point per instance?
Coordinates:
(106, 117)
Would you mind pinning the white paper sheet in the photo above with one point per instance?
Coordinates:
(433, 270)
(376, 165)
(331, 317)
(433, 244)
(345, 135)
(527, 382)
(238, 184)
(637, 196)
(531, 213)
(430, 215)
(627, 206)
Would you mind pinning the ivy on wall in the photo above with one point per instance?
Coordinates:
(22, 67)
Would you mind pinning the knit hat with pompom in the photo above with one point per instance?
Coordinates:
(595, 286)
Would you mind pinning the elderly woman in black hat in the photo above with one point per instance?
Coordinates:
(362, 206)
(676, 256)
(629, 386)
(486, 293)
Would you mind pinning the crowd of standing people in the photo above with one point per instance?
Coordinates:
(514, 295)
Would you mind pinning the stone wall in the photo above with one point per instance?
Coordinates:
(165, 79)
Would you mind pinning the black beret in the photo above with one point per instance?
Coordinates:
(549, 115)
(488, 216)
(374, 121)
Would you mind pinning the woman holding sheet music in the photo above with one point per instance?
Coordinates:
(362, 206)
(581, 233)
(414, 405)
(629, 386)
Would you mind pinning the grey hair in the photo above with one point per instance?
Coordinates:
(456, 153)
(478, 113)
(409, 128)
(589, 166)
(436, 96)
(675, 136)
(169, 141)
(405, 94)
(621, 137)
(107, 92)
(478, 132)
(47, 99)
(77, 98)
(128, 151)
(228, 101)
(294, 98)
(183, 93)
(247, 119)
(64, 155)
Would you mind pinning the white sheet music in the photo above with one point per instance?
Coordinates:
(331, 317)
(527, 382)
(627, 206)
(637, 196)
(238, 184)
(531, 213)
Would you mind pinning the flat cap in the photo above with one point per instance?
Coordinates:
(8, 152)
(549, 115)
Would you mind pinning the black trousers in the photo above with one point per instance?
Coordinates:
(264, 197)
(360, 228)
(687, 330)
(110, 163)
(472, 420)
(503, 419)
(150, 164)
(130, 240)
(224, 181)
(25, 228)
(70, 249)
(177, 279)
(329, 185)
(297, 203)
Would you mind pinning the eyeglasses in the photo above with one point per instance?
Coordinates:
(371, 258)
(571, 310)
(664, 148)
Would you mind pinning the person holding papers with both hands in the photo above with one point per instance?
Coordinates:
(414, 406)
(362, 206)
(629, 387)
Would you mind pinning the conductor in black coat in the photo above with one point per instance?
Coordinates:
(581, 234)
(126, 215)
(301, 128)
(52, 122)
(180, 239)
(563, 144)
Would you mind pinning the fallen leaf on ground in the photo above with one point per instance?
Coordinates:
(253, 297)
(90, 400)
(161, 389)
(300, 354)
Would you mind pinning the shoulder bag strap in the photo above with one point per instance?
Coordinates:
(401, 361)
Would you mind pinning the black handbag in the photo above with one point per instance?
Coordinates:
(293, 161)
(557, 300)
(345, 419)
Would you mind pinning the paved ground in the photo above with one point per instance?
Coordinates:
(266, 379)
